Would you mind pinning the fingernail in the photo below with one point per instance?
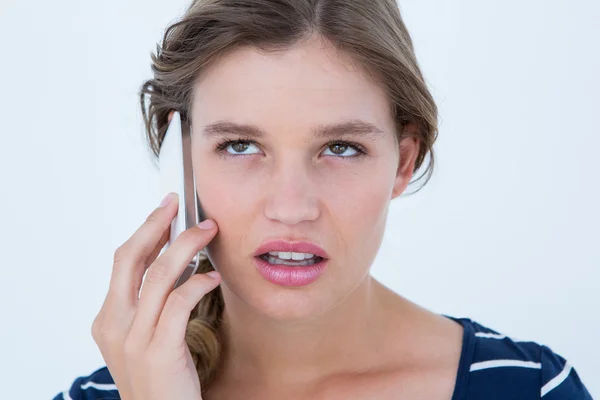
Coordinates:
(213, 274)
(206, 224)
(167, 199)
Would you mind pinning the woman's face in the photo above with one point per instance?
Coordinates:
(290, 184)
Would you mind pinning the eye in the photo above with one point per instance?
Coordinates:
(238, 146)
(339, 148)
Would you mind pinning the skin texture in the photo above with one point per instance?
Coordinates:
(345, 332)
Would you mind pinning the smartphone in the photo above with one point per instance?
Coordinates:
(177, 175)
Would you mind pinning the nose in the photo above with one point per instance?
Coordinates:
(291, 194)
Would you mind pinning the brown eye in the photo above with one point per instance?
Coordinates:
(240, 146)
(339, 148)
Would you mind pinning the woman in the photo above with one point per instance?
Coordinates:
(308, 118)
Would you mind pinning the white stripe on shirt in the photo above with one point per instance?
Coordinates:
(557, 380)
(99, 386)
(487, 335)
(504, 363)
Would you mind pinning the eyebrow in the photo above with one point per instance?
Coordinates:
(356, 128)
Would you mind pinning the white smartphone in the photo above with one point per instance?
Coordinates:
(177, 175)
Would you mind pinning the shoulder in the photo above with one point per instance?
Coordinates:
(560, 380)
(98, 385)
(490, 359)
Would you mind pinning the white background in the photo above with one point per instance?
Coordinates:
(506, 233)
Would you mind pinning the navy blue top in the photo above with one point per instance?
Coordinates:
(492, 367)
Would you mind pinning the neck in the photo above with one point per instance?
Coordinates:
(347, 338)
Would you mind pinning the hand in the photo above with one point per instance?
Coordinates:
(142, 340)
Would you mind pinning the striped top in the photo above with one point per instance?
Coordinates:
(492, 367)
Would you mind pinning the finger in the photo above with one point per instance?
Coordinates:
(129, 261)
(159, 246)
(172, 324)
(150, 259)
(161, 278)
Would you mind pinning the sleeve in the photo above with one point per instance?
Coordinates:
(559, 380)
(96, 386)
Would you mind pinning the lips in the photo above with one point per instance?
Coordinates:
(285, 246)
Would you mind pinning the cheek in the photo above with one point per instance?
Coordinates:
(225, 202)
(225, 193)
(366, 218)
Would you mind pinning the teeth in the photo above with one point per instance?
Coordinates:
(291, 255)
(275, 260)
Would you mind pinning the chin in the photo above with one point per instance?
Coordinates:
(288, 305)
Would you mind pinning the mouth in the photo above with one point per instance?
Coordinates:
(296, 253)
(301, 270)
(276, 260)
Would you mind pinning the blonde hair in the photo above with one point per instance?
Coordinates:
(371, 32)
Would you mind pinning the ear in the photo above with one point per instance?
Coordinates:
(171, 115)
(409, 150)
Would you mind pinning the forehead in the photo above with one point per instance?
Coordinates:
(311, 83)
